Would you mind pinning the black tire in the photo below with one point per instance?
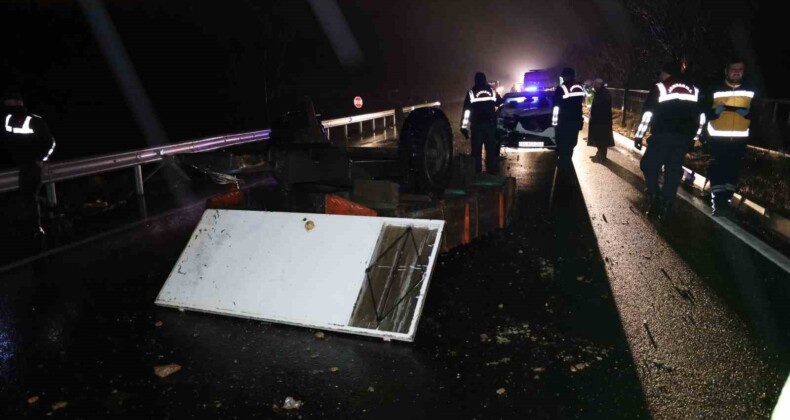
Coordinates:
(426, 151)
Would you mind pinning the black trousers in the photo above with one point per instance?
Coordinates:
(29, 188)
(484, 134)
(566, 137)
(667, 150)
(725, 166)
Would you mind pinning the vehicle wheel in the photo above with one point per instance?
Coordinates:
(426, 151)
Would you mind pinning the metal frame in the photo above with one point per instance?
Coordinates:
(77, 168)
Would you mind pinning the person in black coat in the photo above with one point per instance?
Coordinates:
(26, 139)
(600, 127)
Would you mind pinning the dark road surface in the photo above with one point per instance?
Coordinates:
(583, 308)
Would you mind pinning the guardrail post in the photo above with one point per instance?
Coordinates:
(142, 207)
(374, 125)
(327, 133)
(138, 180)
(623, 121)
(345, 131)
(360, 129)
(52, 196)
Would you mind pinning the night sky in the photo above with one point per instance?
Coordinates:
(209, 67)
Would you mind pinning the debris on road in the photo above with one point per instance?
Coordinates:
(319, 335)
(501, 391)
(291, 404)
(164, 371)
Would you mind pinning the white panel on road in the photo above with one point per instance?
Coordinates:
(293, 268)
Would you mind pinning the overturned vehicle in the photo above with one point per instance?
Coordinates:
(524, 119)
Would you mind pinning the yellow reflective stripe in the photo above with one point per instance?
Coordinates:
(724, 133)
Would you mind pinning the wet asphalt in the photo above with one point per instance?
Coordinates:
(582, 308)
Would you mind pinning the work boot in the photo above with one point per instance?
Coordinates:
(665, 212)
(654, 205)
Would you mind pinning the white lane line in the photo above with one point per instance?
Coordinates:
(764, 249)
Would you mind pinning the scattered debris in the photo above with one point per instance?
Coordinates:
(685, 294)
(60, 404)
(604, 218)
(32, 400)
(310, 225)
(334, 369)
(660, 365)
(159, 323)
(501, 306)
(484, 338)
(501, 391)
(580, 366)
(501, 361)
(649, 334)
(164, 371)
(502, 340)
(538, 369)
(292, 404)
(371, 389)
(319, 335)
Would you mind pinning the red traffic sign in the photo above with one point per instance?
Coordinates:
(358, 101)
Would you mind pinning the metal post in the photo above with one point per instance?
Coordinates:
(327, 133)
(360, 129)
(142, 207)
(374, 125)
(52, 197)
(138, 180)
(345, 131)
(776, 105)
(625, 95)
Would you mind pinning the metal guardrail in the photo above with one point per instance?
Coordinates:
(631, 104)
(76, 168)
(359, 119)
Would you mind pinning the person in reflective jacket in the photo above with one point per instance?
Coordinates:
(672, 111)
(479, 116)
(730, 112)
(27, 139)
(567, 115)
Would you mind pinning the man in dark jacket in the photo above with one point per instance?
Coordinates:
(27, 139)
(672, 111)
(567, 117)
(479, 115)
(600, 127)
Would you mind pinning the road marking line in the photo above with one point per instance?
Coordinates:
(766, 250)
